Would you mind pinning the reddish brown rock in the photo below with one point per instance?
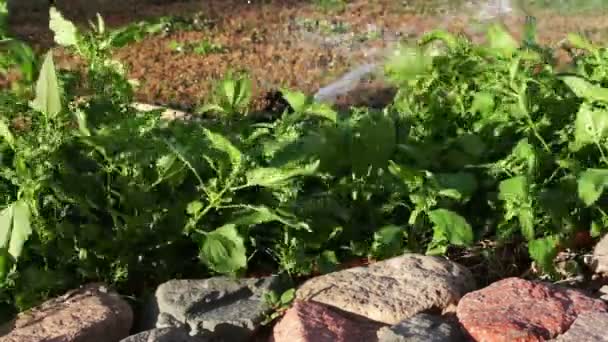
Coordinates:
(515, 309)
(89, 314)
(315, 322)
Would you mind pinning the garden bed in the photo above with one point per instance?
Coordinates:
(487, 148)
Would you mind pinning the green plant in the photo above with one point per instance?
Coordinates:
(331, 5)
(513, 152)
(278, 304)
(232, 96)
(203, 47)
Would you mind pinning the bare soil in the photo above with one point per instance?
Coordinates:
(283, 43)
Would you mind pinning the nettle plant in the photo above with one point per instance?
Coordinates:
(521, 145)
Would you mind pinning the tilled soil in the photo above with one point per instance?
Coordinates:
(285, 43)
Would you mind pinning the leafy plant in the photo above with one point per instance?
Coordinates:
(203, 47)
(232, 96)
(278, 304)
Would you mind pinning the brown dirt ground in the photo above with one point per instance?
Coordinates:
(267, 40)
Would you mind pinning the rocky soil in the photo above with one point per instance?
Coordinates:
(407, 298)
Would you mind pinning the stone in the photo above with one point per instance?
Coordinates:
(600, 257)
(89, 314)
(164, 335)
(315, 322)
(588, 326)
(219, 307)
(422, 328)
(517, 309)
(392, 290)
(604, 293)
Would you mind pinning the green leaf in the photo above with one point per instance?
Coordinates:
(296, 100)
(583, 88)
(407, 63)
(543, 251)
(223, 250)
(222, 144)
(458, 186)
(590, 127)
(591, 185)
(581, 42)
(47, 99)
(515, 193)
(328, 262)
(483, 103)
(5, 133)
(500, 40)
(388, 241)
(258, 215)
(194, 207)
(21, 228)
(454, 227)
(322, 110)
(66, 33)
(15, 228)
(277, 177)
(288, 296)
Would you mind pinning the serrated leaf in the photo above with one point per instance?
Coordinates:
(223, 250)
(543, 251)
(48, 100)
(590, 126)
(515, 193)
(455, 227)
(585, 89)
(66, 33)
(591, 185)
(222, 144)
(258, 215)
(513, 189)
(276, 177)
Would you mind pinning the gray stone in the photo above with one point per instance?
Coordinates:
(221, 307)
(600, 256)
(392, 290)
(588, 327)
(421, 328)
(164, 335)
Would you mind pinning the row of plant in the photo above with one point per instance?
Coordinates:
(482, 142)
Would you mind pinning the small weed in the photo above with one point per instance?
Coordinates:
(331, 5)
(278, 304)
(323, 26)
(203, 47)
